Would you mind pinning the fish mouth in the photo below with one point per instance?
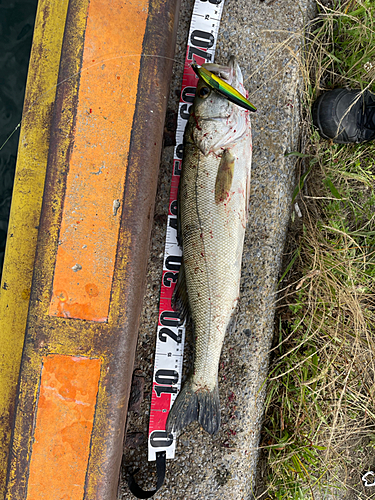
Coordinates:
(229, 73)
(235, 72)
(220, 79)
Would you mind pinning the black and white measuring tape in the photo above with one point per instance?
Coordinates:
(203, 32)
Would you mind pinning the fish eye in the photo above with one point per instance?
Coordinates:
(204, 92)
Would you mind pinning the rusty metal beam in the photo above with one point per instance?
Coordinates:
(81, 333)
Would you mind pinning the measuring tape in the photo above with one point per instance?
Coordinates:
(204, 28)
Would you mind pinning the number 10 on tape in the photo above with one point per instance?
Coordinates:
(170, 338)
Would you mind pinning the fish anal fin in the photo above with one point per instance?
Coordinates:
(224, 176)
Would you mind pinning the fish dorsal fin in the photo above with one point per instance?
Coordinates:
(180, 300)
(224, 176)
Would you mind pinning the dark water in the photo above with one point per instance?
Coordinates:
(16, 30)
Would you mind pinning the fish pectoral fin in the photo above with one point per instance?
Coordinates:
(180, 300)
(224, 176)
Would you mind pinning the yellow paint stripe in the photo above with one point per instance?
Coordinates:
(64, 421)
(91, 214)
(26, 207)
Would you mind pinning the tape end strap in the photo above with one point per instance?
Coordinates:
(160, 471)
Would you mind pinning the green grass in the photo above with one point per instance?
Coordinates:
(319, 429)
(343, 50)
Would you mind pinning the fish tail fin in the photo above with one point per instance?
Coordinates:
(201, 405)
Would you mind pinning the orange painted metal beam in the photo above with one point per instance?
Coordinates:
(92, 249)
(65, 416)
(98, 161)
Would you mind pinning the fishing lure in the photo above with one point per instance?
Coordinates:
(223, 87)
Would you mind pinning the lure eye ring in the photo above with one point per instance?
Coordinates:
(204, 92)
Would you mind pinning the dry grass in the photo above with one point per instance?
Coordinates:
(319, 430)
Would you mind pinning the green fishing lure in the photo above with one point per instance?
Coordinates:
(223, 87)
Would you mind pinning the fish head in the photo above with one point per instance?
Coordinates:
(218, 122)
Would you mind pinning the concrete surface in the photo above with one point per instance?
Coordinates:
(265, 37)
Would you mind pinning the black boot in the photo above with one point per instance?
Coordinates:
(345, 116)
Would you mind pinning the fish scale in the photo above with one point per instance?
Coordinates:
(214, 193)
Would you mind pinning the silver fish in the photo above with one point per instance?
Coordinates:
(213, 204)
